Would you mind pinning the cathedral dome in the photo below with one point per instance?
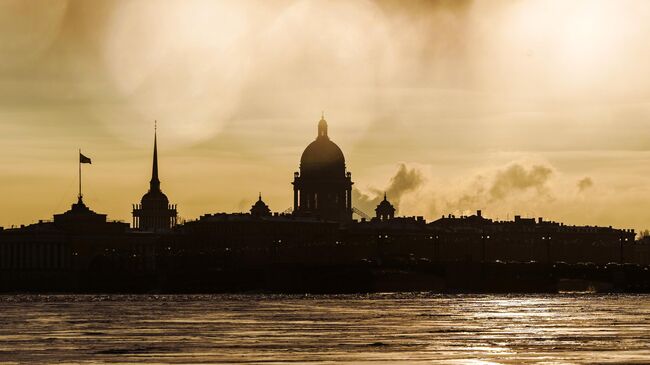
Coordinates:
(322, 157)
(323, 188)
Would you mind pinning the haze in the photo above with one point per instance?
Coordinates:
(538, 108)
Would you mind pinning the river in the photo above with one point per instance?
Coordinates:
(405, 328)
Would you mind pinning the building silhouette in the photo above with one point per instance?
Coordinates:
(318, 247)
(154, 213)
(79, 213)
(260, 209)
(323, 188)
(385, 210)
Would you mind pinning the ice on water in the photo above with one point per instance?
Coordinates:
(374, 328)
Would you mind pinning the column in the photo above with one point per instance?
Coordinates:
(349, 193)
(295, 198)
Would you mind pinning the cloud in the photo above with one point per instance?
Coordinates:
(585, 183)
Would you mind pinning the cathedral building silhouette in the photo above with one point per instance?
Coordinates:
(318, 241)
(323, 187)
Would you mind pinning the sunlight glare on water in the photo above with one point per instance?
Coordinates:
(380, 328)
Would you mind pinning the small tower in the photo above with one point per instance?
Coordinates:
(385, 210)
(154, 213)
(260, 209)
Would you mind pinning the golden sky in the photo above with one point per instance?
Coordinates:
(538, 107)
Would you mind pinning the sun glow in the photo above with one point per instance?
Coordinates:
(577, 42)
(188, 63)
(182, 62)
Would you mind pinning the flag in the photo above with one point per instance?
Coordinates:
(84, 159)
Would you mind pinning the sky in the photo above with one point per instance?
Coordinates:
(539, 108)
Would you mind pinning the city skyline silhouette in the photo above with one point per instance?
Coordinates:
(165, 216)
(317, 245)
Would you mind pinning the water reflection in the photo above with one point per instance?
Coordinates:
(382, 328)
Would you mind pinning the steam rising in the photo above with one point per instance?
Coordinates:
(517, 178)
(584, 184)
(404, 181)
(515, 186)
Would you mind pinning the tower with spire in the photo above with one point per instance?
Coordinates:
(154, 213)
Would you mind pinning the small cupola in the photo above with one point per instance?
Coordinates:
(385, 210)
(260, 209)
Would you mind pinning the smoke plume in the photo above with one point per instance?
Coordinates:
(404, 181)
(584, 184)
(517, 178)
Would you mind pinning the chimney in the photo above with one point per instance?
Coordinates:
(478, 213)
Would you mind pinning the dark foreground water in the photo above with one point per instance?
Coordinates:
(390, 328)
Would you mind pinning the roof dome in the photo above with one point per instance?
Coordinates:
(260, 209)
(385, 210)
(322, 156)
(385, 204)
(154, 199)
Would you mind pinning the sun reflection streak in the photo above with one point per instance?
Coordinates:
(398, 328)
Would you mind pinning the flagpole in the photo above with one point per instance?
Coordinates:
(79, 160)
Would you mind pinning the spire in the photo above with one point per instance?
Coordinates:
(155, 183)
(322, 127)
(384, 196)
(260, 197)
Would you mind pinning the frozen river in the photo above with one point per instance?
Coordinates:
(375, 328)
